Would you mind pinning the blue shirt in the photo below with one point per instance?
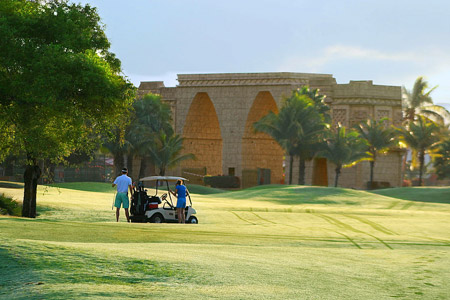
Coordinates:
(181, 191)
(122, 183)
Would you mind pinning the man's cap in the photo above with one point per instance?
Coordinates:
(124, 170)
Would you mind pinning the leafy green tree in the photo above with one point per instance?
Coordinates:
(60, 87)
(418, 101)
(117, 146)
(6, 136)
(379, 139)
(344, 149)
(166, 152)
(422, 136)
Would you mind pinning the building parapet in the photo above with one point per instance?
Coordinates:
(247, 79)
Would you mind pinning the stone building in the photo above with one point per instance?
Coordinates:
(214, 114)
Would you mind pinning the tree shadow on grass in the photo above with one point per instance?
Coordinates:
(11, 185)
(422, 194)
(315, 195)
(302, 195)
(99, 187)
(16, 277)
(29, 265)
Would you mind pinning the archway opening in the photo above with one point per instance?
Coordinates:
(262, 157)
(202, 137)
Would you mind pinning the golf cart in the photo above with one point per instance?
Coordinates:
(158, 209)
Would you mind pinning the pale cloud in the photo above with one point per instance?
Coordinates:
(340, 52)
(432, 59)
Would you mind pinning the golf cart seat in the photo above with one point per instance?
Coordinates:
(154, 199)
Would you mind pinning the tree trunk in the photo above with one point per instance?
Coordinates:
(31, 177)
(162, 171)
(372, 164)
(301, 171)
(421, 162)
(338, 171)
(119, 163)
(291, 162)
(143, 167)
(130, 164)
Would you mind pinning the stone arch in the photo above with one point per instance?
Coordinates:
(202, 137)
(260, 152)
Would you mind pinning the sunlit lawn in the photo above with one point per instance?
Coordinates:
(271, 242)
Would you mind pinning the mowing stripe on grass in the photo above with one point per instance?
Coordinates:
(347, 237)
(263, 218)
(407, 205)
(393, 204)
(374, 225)
(338, 223)
(239, 217)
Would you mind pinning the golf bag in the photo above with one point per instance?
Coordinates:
(140, 200)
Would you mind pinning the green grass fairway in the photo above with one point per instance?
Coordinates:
(270, 242)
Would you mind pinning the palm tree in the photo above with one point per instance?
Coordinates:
(296, 129)
(319, 101)
(310, 128)
(150, 116)
(117, 146)
(421, 136)
(166, 152)
(282, 128)
(379, 139)
(419, 102)
(344, 149)
(441, 161)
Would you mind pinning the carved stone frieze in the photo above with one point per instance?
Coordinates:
(368, 101)
(242, 82)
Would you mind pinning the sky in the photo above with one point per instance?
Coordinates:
(390, 42)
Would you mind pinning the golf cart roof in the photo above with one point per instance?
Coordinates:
(168, 178)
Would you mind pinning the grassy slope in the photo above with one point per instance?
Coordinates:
(424, 194)
(272, 242)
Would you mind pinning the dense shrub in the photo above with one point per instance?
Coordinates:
(222, 181)
(9, 207)
(378, 185)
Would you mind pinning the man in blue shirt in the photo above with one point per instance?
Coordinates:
(123, 183)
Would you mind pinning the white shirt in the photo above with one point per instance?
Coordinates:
(122, 183)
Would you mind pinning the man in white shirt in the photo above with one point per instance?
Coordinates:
(123, 183)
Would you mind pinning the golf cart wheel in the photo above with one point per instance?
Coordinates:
(192, 220)
(157, 218)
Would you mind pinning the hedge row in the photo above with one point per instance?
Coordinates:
(222, 182)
